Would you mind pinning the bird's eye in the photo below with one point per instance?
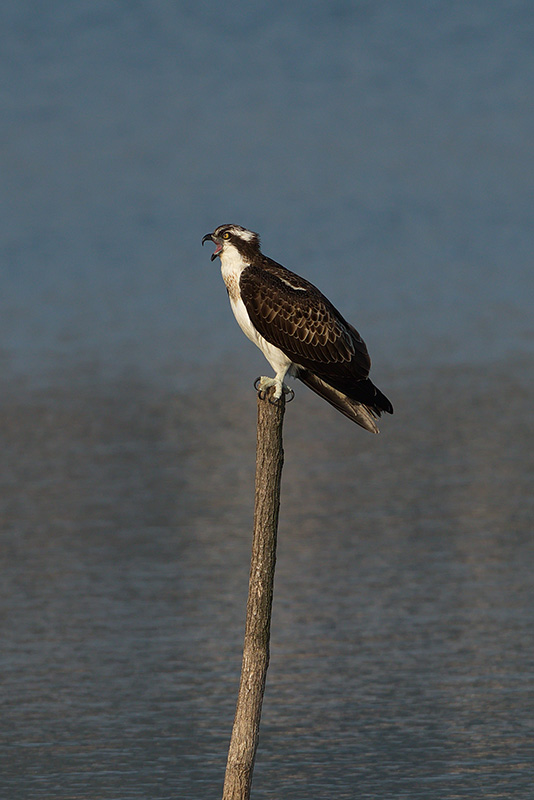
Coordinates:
(226, 235)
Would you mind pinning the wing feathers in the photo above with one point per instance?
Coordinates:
(292, 314)
(357, 412)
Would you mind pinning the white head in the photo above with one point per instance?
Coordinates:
(234, 237)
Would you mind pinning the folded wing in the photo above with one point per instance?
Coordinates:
(292, 314)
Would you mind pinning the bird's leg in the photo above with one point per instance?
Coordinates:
(263, 384)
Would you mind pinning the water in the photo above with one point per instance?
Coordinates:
(384, 151)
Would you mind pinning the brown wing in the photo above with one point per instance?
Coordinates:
(292, 314)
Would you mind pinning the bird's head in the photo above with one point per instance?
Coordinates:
(227, 237)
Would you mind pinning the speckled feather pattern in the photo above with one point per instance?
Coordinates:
(294, 315)
(297, 329)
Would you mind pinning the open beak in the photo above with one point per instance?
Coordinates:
(218, 246)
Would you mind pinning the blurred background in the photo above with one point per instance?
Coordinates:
(384, 151)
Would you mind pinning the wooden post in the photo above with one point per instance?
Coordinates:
(245, 733)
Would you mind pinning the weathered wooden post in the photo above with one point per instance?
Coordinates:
(245, 733)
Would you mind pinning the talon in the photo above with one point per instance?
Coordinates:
(262, 385)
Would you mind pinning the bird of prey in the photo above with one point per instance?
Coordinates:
(297, 329)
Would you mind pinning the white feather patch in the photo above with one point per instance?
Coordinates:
(292, 285)
(276, 358)
(232, 265)
(247, 236)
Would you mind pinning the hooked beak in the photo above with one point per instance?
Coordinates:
(218, 246)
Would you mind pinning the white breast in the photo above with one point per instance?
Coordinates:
(276, 358)
(232, 265)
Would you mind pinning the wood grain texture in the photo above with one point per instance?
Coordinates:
(245, 733)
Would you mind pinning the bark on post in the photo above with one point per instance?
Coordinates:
(245, 733)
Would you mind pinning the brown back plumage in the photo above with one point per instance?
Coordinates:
(291, 313)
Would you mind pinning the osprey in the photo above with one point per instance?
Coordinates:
(297, 329)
